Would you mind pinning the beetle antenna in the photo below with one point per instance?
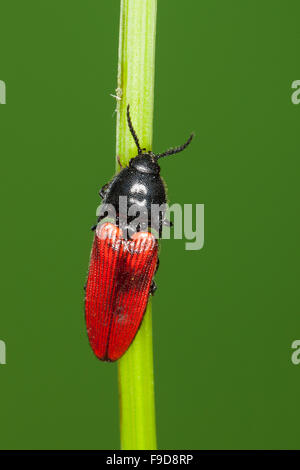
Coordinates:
(176, 149)
(133, 133)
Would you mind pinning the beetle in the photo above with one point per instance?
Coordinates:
(124, 256)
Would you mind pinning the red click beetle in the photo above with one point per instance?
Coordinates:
(124, 257)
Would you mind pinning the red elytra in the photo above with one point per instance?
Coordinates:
(117, 290)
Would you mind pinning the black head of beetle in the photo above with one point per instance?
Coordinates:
(145, 163)
(141, 183)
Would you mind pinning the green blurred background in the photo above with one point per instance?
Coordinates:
(225, 316)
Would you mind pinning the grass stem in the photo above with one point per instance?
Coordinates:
(136, 87)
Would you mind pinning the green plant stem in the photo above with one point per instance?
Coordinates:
(136, 87)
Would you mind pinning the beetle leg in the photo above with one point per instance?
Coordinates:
(93, 228)
(103, 190)
(168, 223)
(153, 288)
(157, 265)
(119, 161)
